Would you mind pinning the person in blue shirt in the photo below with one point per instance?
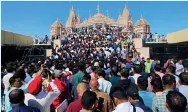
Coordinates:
(128, 65)
(118, 50)
(133, 97)
(108, 69)
(154, 63)
(115, 78)
(16, 82)
(28, 75)
(143, 73)
(147, 96)
(17, 97)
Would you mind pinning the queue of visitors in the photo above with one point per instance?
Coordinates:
(94, 73)
(121, 90)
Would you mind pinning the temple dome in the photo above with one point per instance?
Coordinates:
(57, 23)
(142, 21)
(99, 19)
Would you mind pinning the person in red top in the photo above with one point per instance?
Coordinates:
(76, 106)
(62, 88)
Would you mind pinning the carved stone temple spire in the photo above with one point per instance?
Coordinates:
(71, 19)
(124, 17)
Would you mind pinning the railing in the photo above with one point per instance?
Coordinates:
(159, 40)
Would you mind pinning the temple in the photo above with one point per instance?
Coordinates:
(97, 19)
(124, 22)
(142, 26)
(73, 20)
(57, 29)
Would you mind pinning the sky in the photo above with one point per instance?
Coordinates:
(35, 18)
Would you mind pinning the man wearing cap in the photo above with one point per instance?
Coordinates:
(62, 88)
(37, 97)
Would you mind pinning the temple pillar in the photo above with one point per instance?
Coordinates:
(57, 42)
(48, 52)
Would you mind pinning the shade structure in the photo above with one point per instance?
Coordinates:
(177, 37)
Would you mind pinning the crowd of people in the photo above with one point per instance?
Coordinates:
(114, 31)
(95, 71)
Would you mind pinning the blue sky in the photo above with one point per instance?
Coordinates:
(35, 18)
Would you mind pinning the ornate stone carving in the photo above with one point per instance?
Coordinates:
(142, 26)
(57, 29)
(124, 21)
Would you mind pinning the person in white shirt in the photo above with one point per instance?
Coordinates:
(179, 67)
(124, 53)
(183, 84)
(107, 53)
(104, 85)
(120, 99)
(137, 70)
(38, 97)
(6, 78)
(111, 49)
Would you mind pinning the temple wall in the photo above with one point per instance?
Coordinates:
(48, 52)
(138, 43)
(57, 42)
(144, 51)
